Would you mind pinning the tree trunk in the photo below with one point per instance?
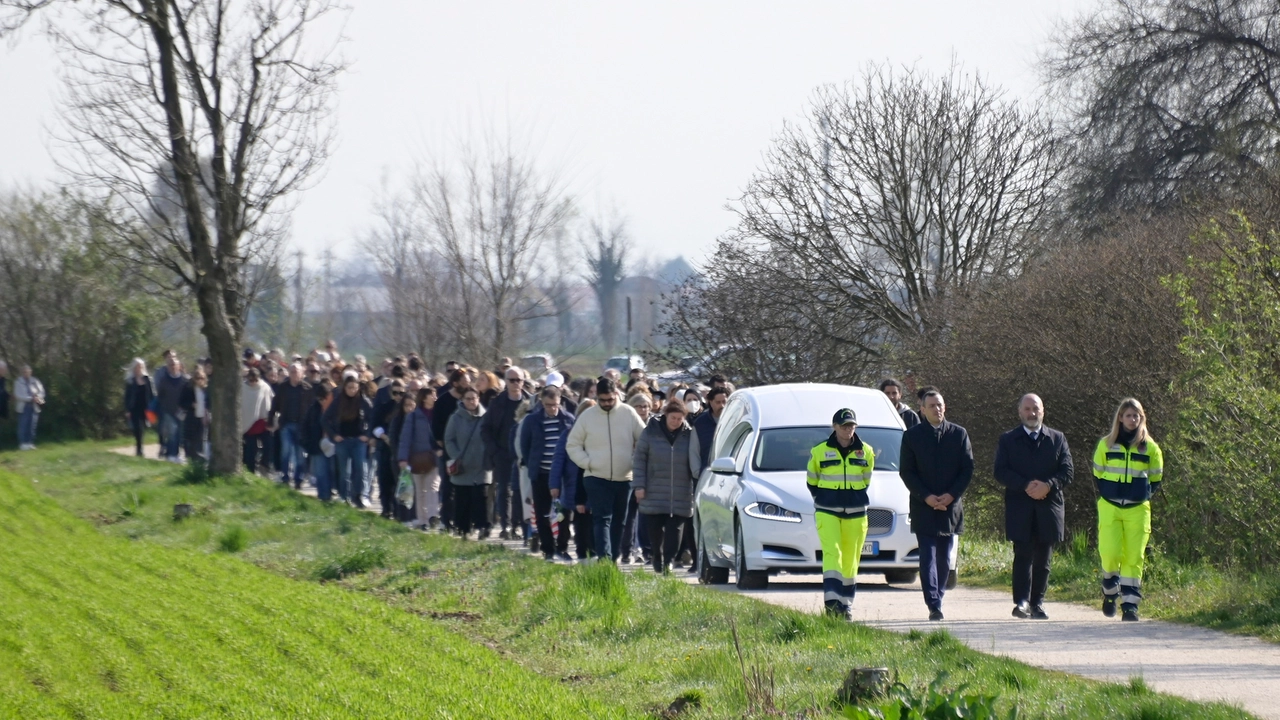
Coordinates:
(608, 295)
(224, 382)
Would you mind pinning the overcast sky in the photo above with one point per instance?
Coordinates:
(660, 110)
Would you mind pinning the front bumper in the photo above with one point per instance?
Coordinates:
(772, 545)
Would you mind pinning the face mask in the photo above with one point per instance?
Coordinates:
(693, 406)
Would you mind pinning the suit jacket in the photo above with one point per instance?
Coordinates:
(1019, 460)
(936, 463)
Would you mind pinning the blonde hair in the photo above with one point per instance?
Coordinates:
(1140, 436)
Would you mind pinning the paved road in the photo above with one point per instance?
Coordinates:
(1178, 659)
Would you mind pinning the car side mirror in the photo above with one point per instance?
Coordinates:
(724, 466)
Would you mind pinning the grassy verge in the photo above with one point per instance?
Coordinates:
(635, 640)
(1172, 590)
(100, 627)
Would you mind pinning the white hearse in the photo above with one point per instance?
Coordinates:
(752, 510)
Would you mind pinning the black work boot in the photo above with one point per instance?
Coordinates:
(1109, 605)
(1130, 611)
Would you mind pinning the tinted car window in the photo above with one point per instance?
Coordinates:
(787, 449)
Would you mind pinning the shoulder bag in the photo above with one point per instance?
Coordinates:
(423, 462)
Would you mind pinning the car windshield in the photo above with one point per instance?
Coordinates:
(787, 449)
(619, 363)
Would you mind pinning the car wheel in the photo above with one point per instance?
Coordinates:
(901, 577)
(746, 579)
(952, 578)
(709, 574)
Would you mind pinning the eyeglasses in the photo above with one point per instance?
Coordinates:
(396, 393)
(515, 380)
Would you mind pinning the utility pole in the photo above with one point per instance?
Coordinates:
(328, 292)
(298, 304)
(628, 328)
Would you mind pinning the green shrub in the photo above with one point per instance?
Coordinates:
(1219, 502)
(362, 559)
(234, 539)
(931, 703)
(195, 472)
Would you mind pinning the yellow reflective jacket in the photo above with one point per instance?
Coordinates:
(838, 477)
(1127, 475)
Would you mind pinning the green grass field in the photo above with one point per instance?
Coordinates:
(589, 633)
(101, 627)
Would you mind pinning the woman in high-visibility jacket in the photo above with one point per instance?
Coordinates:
(1127, 469)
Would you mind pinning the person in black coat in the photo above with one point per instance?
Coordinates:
(384, 410)
(936, 466)
(138, 394)
(1033, 463)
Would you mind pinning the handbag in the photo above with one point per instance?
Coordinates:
(421, 463)
(455, 465)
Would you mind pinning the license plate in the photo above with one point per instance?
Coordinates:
(870, 548)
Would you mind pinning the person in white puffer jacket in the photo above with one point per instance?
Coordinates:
(602, 443)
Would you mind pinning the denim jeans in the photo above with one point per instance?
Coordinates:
(351, 456)
(607, 501)
(291, 453)
(27, 425)
(322, 471)
(935, 567)
(171, 431)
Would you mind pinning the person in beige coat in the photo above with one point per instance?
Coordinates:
(255, 406)
(602, 443)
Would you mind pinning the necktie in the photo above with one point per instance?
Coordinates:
(1035, 436)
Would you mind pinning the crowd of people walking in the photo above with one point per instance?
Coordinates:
(609, 465)
(574, 468)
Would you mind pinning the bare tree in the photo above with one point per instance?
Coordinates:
(423, 308)
(226, 105)
(1169, 100)
(489, 219)
(605, 245)
(896, 196)
(743, 319)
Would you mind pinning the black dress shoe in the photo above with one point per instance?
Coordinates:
(1021, 610)
(1038, 613)
(1109, 606)
(935, 615)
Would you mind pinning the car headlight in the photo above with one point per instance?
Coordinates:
(769, 511)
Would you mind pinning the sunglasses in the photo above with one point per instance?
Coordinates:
(396, 393)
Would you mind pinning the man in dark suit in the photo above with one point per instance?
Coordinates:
(936, 466)
(1033, 463)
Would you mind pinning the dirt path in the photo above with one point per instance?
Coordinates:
(1179, 659)
(1182, 660)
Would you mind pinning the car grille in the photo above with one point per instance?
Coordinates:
(879, 521)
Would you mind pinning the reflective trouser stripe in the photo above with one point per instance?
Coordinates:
(842, 540)
(1110, 583)
(1122, 543)
(1130, 590)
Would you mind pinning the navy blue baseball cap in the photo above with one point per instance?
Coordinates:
(845, 416)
